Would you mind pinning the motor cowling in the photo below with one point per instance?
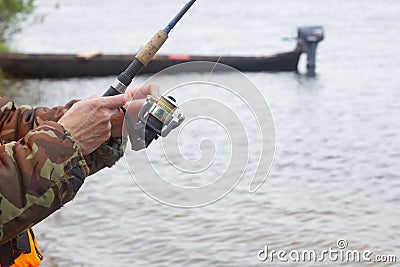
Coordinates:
(309, 37)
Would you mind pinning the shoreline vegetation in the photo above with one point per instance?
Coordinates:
(12, 14)
(4, 48)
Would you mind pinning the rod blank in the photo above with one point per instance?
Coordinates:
(178, 17)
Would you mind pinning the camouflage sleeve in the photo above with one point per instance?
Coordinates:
(38, 175)
(16, 122)
(43, 169)
(106, 155)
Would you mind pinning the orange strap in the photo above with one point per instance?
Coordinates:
(32, 259)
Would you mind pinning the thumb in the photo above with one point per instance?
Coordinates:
(116, 101)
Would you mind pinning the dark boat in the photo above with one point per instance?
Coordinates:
(96, 64)
(68, 65)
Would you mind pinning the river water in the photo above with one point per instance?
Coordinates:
(336, 169)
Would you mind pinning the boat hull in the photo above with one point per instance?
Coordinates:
(67, 65)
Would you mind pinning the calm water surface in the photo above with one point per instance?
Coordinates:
(336, 171)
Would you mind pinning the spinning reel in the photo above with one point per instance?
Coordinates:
(156, 118)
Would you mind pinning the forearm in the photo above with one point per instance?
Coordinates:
(16, 122)
(38, 175)
(44, 169)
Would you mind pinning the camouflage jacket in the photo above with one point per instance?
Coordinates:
(41, 168)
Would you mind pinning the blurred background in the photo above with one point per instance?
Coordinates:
(336, 170)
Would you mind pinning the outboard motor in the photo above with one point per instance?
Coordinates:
(309, 37)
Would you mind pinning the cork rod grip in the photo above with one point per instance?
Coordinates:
(152, 47)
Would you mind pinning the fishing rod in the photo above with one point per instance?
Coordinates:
(144, 56)
(156, 117)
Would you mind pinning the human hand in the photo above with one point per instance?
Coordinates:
(136, 98)
(89, 121)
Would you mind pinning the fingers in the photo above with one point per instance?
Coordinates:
(136, 105)
(117, 113)
(134, 108)
(155, 91)
(141, 92)
(89, 121)
(151, 89)
(113, 102)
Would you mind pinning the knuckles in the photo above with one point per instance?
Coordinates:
(90, 123)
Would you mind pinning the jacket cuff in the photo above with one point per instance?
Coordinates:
(76, 170)
(106, 155)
